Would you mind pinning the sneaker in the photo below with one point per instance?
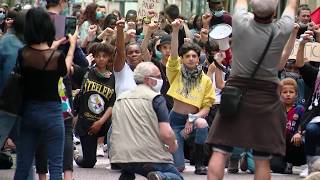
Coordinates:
(100, 152)
(115, 167)
(76, 140)
(313, 176)
(201, 170)
(304, 173)
(233, 167)
(153, 176)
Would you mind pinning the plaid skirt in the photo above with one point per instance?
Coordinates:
(259, 123)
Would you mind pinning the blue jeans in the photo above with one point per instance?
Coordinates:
(177, 122)
(166, 171)
(6, 124)
(312, 139)
(41, 119)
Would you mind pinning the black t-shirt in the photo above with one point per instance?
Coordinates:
(166, 84)
(159, 106)
(41, 84)
(309, 76)
(97, 95)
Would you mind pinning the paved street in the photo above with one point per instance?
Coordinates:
(102, 171)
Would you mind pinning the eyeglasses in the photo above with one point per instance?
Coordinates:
(155, 78)
(2, 12)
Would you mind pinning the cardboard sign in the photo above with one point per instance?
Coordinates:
(145, 5)
(311, 51)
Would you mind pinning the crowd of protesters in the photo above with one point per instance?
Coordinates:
(148, 91)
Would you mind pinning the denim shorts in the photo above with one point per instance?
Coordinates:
(228, 150)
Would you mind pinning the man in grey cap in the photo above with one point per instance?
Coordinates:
(259, 123)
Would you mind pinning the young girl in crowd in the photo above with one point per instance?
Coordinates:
(94, 104)
(41, 69)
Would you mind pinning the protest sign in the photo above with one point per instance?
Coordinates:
(145, 5)
(311, 51)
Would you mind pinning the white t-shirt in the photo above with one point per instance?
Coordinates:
(124, 80)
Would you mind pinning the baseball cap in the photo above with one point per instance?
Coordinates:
(165, 39)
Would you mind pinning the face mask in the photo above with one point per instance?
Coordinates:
(99, 15)
(2, 17)
(217, 13)
(158, 86)
(158, 55)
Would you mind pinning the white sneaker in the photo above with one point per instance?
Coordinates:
(100, 152)
(76, 140)
(304, 173)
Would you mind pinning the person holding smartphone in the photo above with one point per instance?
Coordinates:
(55, 8)
(41, 68)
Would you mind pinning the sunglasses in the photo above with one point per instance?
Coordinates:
(2, 12)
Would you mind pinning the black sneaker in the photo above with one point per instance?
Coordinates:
(233, 167)
(201, 170)
(115, 167)
(154, 176)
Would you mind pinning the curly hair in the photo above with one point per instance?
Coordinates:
(186, 47)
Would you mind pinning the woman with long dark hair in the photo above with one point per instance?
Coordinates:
(41, 68)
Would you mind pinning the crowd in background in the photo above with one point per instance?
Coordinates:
(147, 91)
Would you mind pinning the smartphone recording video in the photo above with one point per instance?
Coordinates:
(70, 25)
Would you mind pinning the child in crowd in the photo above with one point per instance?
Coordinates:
(94, 104)
(294, 146)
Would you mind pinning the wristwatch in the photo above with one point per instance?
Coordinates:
(192, 117)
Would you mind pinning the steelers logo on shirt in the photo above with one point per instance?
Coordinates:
(96, 103)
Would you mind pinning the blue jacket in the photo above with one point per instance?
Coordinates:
(9, 46)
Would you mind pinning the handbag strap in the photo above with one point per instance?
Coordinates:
(264, 53)
(44, 67)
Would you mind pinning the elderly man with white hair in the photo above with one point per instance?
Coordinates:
(142, 139)
(259, 122)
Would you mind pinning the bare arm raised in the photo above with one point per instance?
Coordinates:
(120, 57)
(291, 7)
(175, 41)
